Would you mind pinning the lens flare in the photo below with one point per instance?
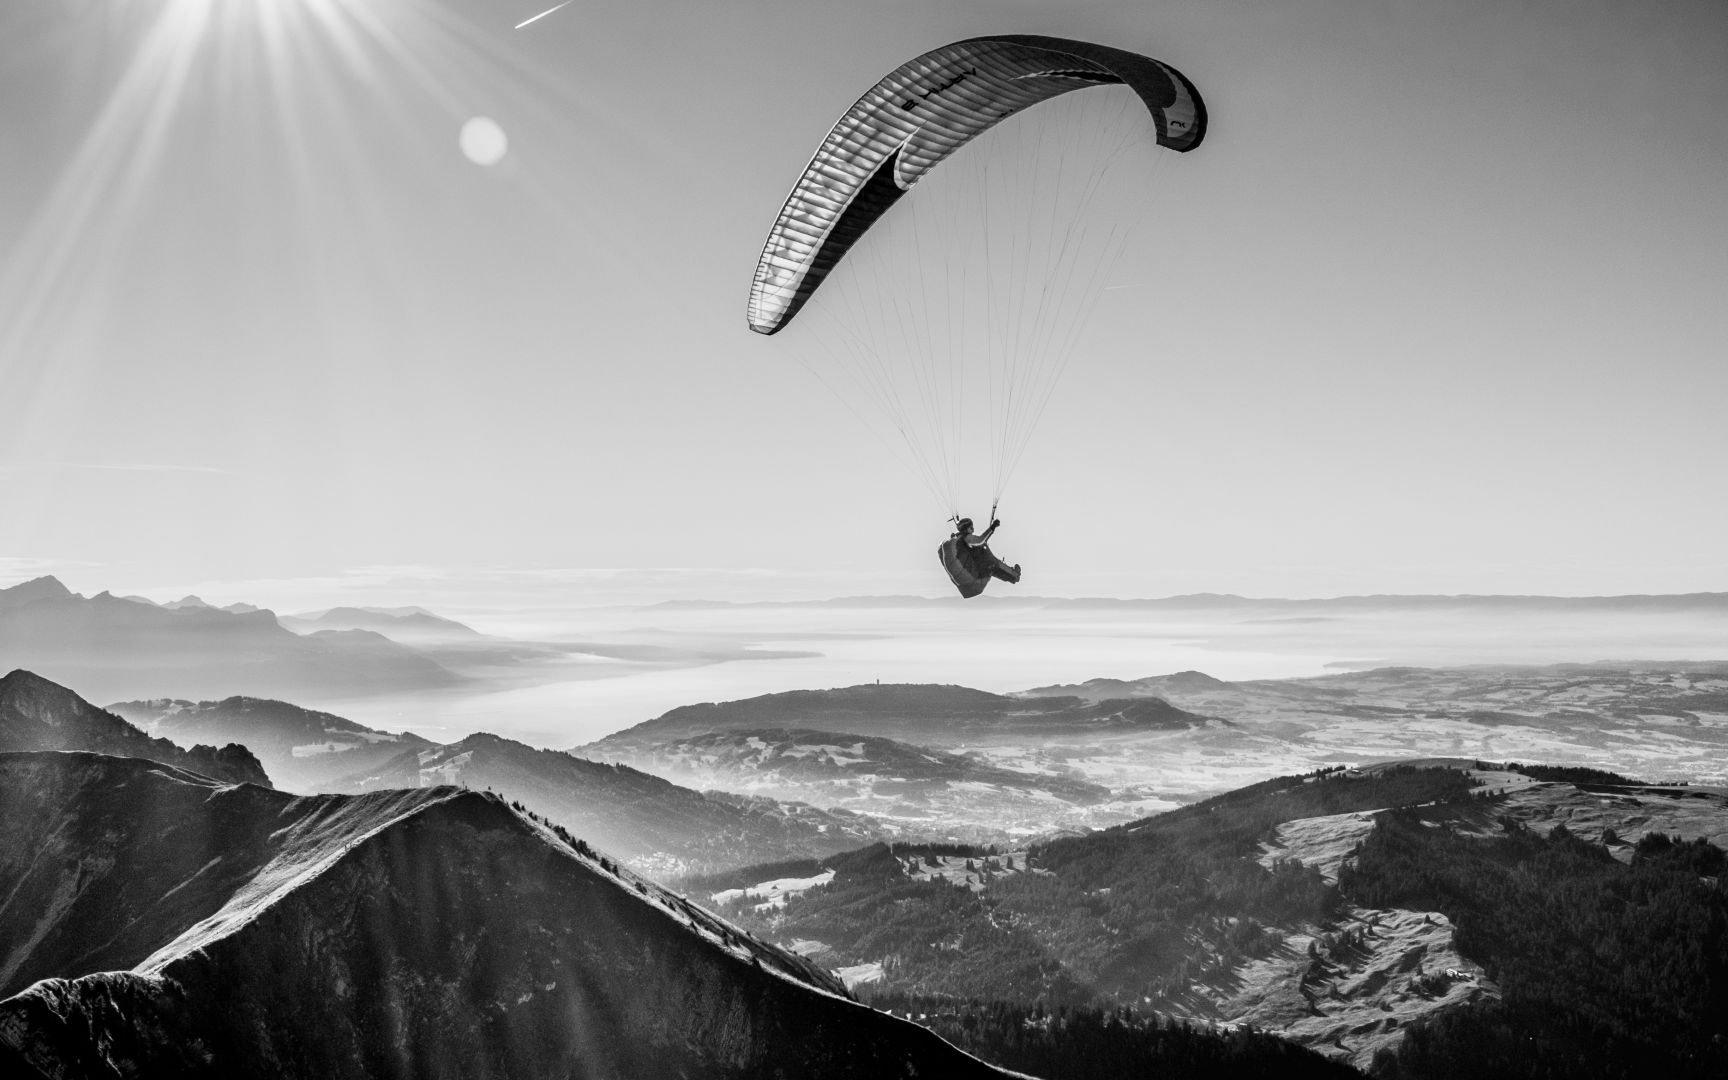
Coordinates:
(483, 142)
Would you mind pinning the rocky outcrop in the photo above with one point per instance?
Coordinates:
(409, 933)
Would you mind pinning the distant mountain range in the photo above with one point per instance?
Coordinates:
(134, 648)
(1182, 682)
(412, 625)
(111, 647)
(36, 714)
(921, 714)
(160, 924)
(192, 602)
(398, 623)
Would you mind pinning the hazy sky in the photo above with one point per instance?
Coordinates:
(1441, 304)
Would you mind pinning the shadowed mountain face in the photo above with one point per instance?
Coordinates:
(425, 933)
(110, 858)
(652, 824)
(304, 749)
(113, 648)
(36, 714)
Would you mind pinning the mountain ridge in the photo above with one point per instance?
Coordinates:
(649, 822)
(931, 714)
(303, 749)
(409, 627)
(440, 933)
(40, 714)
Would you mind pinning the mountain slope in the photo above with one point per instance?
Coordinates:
(407, 934)
(1255, 907)
(109, 859)
(303, 749)
(36, 714)
(652, 824)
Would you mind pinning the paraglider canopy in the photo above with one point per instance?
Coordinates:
(915, 118)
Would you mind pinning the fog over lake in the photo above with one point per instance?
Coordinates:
(678, 655)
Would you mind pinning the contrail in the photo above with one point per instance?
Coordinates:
(542, 15)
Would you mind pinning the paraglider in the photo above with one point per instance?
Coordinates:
(973, 294)
(970, 562)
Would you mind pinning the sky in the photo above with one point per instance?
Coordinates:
(1439, 306)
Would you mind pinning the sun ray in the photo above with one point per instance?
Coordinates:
(287, 101)
(106, 172)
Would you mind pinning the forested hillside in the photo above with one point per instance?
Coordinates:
(1108, 1044)
(1468, 931)
(1132, 914)
(1607, 969)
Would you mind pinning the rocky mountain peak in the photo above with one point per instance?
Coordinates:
(46, 587)
(25, 695)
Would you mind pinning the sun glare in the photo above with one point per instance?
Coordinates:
(175, 72)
